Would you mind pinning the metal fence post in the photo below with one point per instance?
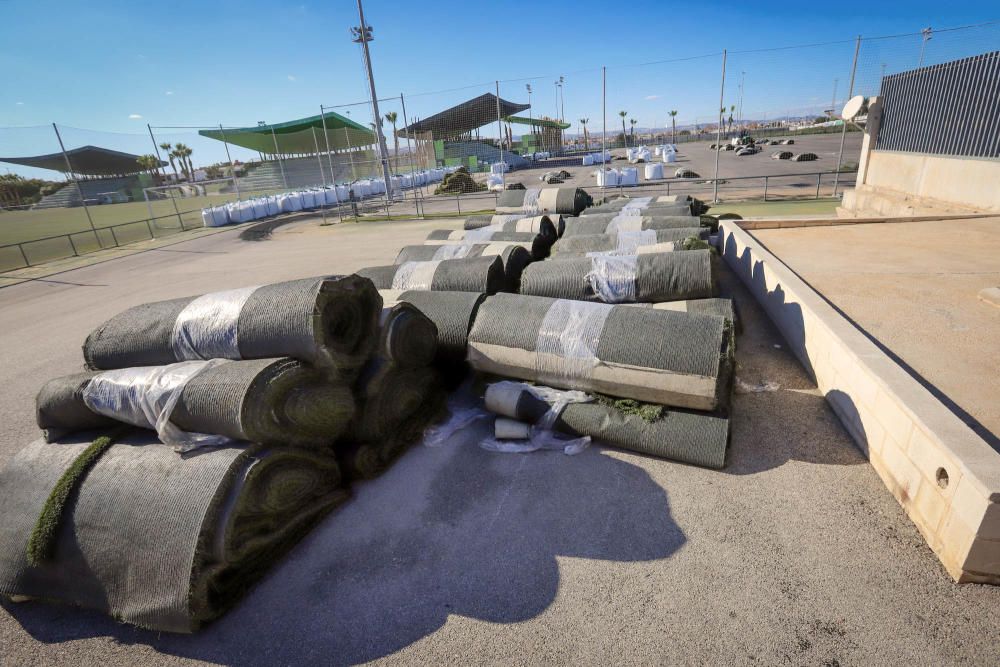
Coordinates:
(718, 130)
(326, 136)
(159, 158)
(503, 167)
(765, 188)
(277, 153)
(604, 128)
(819, 178)
(79, 190)
(417, 190)
(843, 131)
(319, 157)
(236, 181)
(350, 154)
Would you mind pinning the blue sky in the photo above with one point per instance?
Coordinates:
(115, 66)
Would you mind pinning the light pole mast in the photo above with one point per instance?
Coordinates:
(363, 34)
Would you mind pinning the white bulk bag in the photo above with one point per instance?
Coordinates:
(330, 195)
(658, 151)
(628, 176)
(494, 182)
(607, 178)
(343, 193)
(498, 168)
(307, 199)
(653, 171)
(273, 207)
(669, 157)
(238, 213)
(259, 207)
(588, 160)
(289, 202)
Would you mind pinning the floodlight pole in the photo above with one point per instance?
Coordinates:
(503, 167)
(365, 36)
(718, 129)
(76, 182)
(329, 158)
(843, 130)
(604, 127)
(173, 201)
(232, 166)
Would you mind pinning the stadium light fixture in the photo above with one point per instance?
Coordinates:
(362, 34)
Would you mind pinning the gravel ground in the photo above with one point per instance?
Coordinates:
(794, 554)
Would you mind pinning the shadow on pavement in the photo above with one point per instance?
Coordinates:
(450, 530)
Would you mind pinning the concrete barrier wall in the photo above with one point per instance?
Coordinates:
(964, 183)
(945, 476)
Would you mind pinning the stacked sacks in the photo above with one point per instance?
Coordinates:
(627, 242)
(647, 278)
(646, 370)
(471, 274)
(514, 257)
(567, 201)
(276, 365)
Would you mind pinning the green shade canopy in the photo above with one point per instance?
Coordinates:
(298, 136)
(537, 122)
(86, 161)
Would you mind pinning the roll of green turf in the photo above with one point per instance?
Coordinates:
(153, 538)
(581, 245)
(653, 208)
(329, 321)
(407, 337)
(601, 224)
(452, 313)
(472, 274)
(279, 401)
(656, 356)
(538, 244)
(512, 222)
(388, 396)
(514, 257)
(719, 307)
(698, 438)
(567, 201)
(667, 276)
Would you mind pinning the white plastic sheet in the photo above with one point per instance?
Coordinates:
(566, 346)
(612, 277)
(541, 435)
(146, 397)
(415, 275)
(629, 242)
(207, 328)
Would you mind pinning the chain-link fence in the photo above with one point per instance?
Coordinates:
(730, 124)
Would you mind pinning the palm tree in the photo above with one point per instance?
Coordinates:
(586, 137)
(731, 110)
(151, 164)
(624, 114)
(632, 122)
(391, 117)
(673, 126)
(165, 147)
(184, 154)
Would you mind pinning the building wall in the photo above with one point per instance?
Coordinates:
(951, 182)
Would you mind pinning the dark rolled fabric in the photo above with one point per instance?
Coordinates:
(327, 321)
(472, 274)
(407, 337)
(509, 221)
(667, 276)
(697, 438)
(280, 401)
(719, 307)
(581, 245)
(514, 257)
(653, 208)
(389, 396)
(156, 539)
(601, 224)
(477, 221)
(452, 313)
(567, 201)
(539, 244)
(656, 356)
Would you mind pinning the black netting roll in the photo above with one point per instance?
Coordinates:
(581, 245)
(514, 257)
(667, 276)
(691, 437)
(329, 321)
(567, 201)
(153, 538)
(601, 224)
(262, 400)
(472, 274)
(658, 356)
(452, 313)
(407, 338)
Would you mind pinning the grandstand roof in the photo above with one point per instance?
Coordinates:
(86, 160)
(298, 136)
(538, 122)
(466, 117)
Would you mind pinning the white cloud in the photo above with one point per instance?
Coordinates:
(291, 77)
(170, 92)
(134, 116)
(653, 97)
(20, 104)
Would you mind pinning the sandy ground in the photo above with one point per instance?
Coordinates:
(914, 287)
(795, 553)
